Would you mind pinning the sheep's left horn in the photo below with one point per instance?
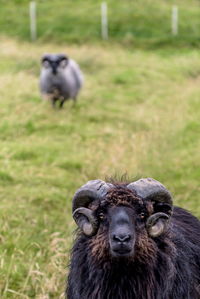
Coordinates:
(157, 224)
(151, 189)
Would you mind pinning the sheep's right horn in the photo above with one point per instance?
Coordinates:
(86, 221)
(95, 189)
(84, 217)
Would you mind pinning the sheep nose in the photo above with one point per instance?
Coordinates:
(122, 238)
(54, 68)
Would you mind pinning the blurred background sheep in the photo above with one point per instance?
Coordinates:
(60, 79)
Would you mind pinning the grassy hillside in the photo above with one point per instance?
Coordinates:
(138, 113)
(134, 23)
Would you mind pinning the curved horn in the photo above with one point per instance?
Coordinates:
(45, 57)
(95, 189)
(157, 224)
(85, 219)
(151, 189)
(83, 216)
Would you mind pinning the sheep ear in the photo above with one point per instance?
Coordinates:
(63, 63)
(157, 224)
(45, 64)
(63, 60)
(86, 221)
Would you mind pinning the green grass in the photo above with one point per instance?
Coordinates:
(144, 24)
(138, 113)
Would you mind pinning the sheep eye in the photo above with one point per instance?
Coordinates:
(142, 215)
(101, 216)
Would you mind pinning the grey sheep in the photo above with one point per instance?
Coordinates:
(60, 79)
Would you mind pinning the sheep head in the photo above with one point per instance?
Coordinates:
(54, 62)
(122, 210)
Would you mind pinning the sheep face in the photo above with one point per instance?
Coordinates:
(54, 63)
(121, 225)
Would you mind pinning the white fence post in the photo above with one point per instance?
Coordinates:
(33, 26)
(174, 20)
(104, 21)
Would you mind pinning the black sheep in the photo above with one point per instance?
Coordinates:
(133, 244)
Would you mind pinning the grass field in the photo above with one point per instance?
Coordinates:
(138, 113)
